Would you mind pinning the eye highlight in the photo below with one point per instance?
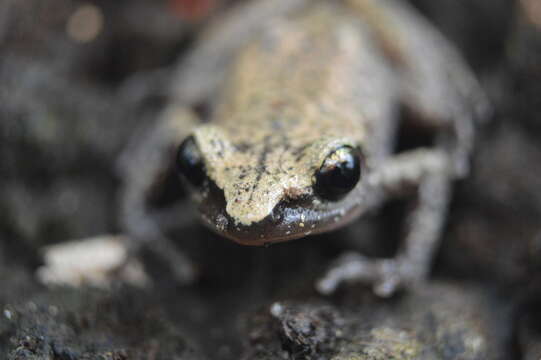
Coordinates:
(190, 163)
(339, 173)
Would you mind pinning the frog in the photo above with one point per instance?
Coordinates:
(305, 99)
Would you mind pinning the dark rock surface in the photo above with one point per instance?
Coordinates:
(68, 108)
(441, 321)
(90, 325)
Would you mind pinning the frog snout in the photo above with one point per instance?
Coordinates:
(288, 220)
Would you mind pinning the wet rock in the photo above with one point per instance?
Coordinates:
(441, 321)
(528, 322)
(523, 59)
(91, 325)
(529, 338)
(309, 331)
(294, 330)
(493, 230)
(494, 225)
(481, 42)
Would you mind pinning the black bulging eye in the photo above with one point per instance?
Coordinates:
(190, 163)
(339, 173)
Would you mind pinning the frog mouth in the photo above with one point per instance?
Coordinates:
(289, 220)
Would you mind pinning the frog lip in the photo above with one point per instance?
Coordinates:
(269, 230)
(289, 220)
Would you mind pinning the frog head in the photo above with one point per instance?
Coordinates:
(259, 190)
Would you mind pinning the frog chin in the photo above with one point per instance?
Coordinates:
(289, 220)
(271, 229)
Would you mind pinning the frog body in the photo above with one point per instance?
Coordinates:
(312, 89)
(265, 143)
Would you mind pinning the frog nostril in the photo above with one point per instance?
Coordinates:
(276, 215)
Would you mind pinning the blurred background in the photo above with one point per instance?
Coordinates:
(78, 78)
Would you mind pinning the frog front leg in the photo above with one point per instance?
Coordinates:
(438, 90)
(199, 76)
(428, 171)
(141, 167)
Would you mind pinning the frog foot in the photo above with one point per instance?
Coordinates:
(386, 275)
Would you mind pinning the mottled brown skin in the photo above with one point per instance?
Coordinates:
(298, 80)
(292, 98)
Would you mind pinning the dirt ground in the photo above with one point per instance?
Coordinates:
(71, 97)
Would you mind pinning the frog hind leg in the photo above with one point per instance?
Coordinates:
(439, 90)
(437, 87)
(140, 167)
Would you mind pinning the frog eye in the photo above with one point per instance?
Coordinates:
(339, 174)
(190, 163)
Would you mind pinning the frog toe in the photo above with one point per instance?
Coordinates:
(386, 276)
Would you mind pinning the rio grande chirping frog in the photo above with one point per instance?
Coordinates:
(305, 106)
